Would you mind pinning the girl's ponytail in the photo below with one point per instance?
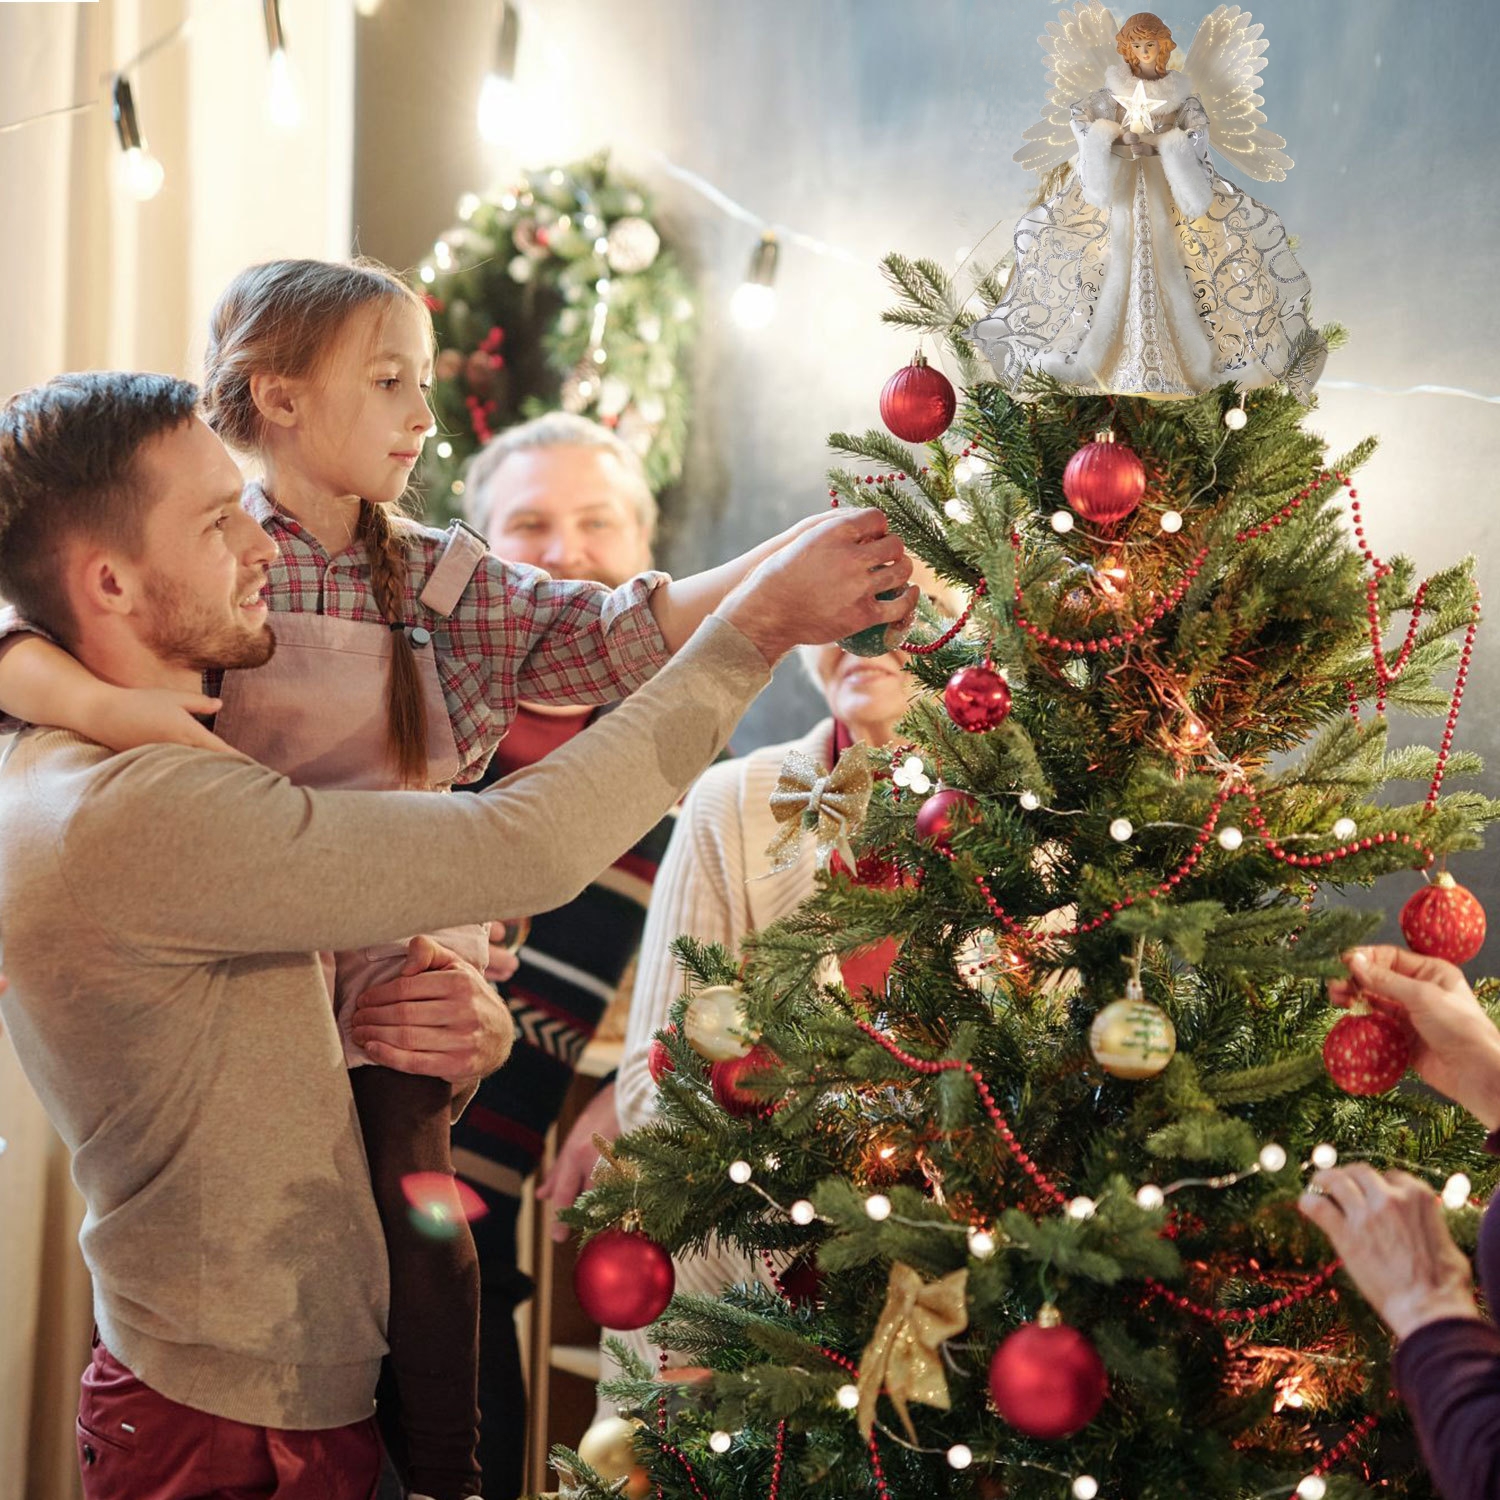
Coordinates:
(406, 715)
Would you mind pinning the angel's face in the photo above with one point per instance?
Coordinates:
(1148, 56)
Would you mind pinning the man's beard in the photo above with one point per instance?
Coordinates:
(185, 634)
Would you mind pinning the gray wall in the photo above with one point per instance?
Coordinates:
(889, 124)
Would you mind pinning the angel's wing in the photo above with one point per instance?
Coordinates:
(1079, 45)
(1224, 64)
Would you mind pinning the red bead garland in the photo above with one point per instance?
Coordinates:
(1120, 638)
(1356, 1434)
(913, 648)
(1309, 1288)
(986, 1099)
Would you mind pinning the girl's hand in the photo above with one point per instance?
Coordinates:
(1457, 1046)
(124, 718)
(1395, 1244)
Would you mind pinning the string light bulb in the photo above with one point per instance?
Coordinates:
(497, 94)
(847, 1396)
(754, 302)
(1312, 1487)
(1230, 838)
(1150, 1196)
(1456, 1191)
(1062, 521)
(1081, 1209)
(283, 101)
(1345, 828)
(981, 1244)
(1085, 1487)
(960, 1456)
(740, 1172)
(139, 173)
(1324, 1157)
(719, 1441)
(366, 8)
(1171, 521)
(1272, 1157)
(802, 1212)
(878, 1206)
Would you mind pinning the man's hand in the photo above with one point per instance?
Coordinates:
(440, 1017)
(1395, 1244)
(1457, 1046)
(822, 585)
(577, 1155)
(503, 944)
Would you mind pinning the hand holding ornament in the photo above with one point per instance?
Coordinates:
(1456, 1047)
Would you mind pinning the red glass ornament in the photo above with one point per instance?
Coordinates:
(943, 814)
(623, 1279)
(802, 1282)
(1367, 1053)
(1104, 480)
(918, 402)
(977, 698)
(1444, 920)
(1047, 1379)
(727, 1079)
(659, 1060)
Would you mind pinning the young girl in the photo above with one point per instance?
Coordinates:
(401, 653)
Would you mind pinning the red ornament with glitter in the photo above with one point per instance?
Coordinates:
(1367, 1053)
(659, 1060)
(943, 814)
(1047, 1379)
(728, 1078)
(977, 698)
(918, 402)
(1104, 480)
(623, 1279)
(1444, 920)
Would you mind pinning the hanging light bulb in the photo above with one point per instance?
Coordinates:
(139, 173)
(754, 300)
(497, 94)
(366, 8)
(282, 98)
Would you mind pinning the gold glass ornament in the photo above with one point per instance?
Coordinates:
(714, 1024)
(1132, 1038)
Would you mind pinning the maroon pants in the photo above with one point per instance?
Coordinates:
(135, 1444)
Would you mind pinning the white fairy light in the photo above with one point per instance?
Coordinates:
(445, 449)
(981, 1244)
(773, 1162)
(960, 1456)
(442, 253)
(1236, 418)
(468, 206)
(964, 470)
(956, 510)
(878, 1206)
(719, 1441)
(1272, 1157)
(1062, 521)
(740, 1172)
(847, 1396)
(1121, 829)
(428, 275)
(1030, 801)
(1082, 1208)
(1312, 1487)
(1345, 828)
(457, 486)
(140, 173)
(802, 1212)
(1085, 1487)
(1230, 838)
(1456, 1191)
(1149, 1196)
(1324, 1156)
(1171, 521)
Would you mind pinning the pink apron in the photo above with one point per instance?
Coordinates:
(316, 712)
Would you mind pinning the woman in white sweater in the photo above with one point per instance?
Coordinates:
(715, 884)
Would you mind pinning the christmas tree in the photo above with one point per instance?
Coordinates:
(1031, 1212)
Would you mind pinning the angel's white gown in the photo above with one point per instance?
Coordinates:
(1152, 275)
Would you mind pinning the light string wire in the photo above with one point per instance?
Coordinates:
(158, 44)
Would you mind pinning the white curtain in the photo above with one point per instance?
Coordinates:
(97, 280)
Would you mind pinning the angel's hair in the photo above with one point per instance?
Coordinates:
(1143, 27)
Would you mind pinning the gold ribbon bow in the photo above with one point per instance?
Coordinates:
(831, 804)
(903, 1356)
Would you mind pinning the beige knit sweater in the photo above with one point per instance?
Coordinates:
(162, 910)
(716, 884)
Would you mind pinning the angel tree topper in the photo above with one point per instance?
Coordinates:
(1147, 273)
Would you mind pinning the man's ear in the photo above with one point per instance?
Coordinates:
(275, 398)
(102, 585)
